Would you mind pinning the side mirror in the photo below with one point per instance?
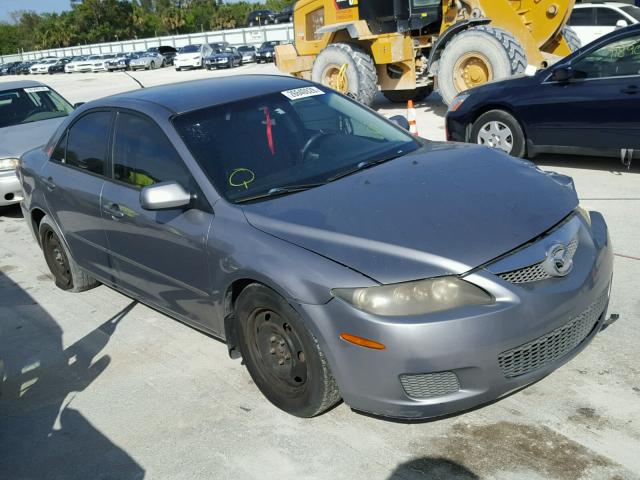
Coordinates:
(401, 121)
(622, 23)
(79, 104)
(163, 196)
(562, 74)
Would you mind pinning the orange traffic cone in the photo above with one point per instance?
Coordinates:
(411, 116)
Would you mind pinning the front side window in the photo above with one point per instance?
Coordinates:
(608, 17)
(582, 17)
(31, 104)
(620, 58)
(144, 156)
(295, 137)
(87, 142)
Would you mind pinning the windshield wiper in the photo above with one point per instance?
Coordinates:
(364, 165)
(278, 191)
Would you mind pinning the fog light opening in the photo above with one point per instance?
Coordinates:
(362, 342)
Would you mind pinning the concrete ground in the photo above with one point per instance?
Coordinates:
(97, 386)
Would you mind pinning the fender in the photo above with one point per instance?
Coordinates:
(448, 35)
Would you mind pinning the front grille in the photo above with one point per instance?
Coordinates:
(552, 346)
(535, 273)
(428, 385)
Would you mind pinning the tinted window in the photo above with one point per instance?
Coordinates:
(632, 11)
(144, 156)
(608, 17)
(619, 58)
(582, 17)
(87, 142)
(32, 104)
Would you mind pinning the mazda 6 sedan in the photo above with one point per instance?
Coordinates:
(338, 255)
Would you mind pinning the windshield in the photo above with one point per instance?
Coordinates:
(246, 49)
(26, 105)
(269, 44)
(632, 11)
(286, 139)
(190, 49)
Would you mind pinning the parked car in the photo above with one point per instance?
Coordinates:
(285, 15)
(147, 61)
(593, 20)
(59, 66)
(248, 53)
(267, 51)
(87, 64)
(25, 68)
(29, 114)
(303, 248)
(42, 66)
(192, 56)
(100, 64)
(261, 17)
(228, 57)
(585, 104)
(70, 67)
(7, 68)
(17, 68)
(168, 53)
(122, 61)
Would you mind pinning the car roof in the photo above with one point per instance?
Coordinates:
(603, 4)
(193, 95)
(20, 84)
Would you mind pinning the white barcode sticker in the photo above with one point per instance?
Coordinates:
(303, 92)
(36, 89)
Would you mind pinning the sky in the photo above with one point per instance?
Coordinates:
(8, 6)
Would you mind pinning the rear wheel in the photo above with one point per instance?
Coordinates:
(282, 356)
(66, 273)
(403, 96)
(359, 80)
(572, 38)
(499, 129)
(477, 56)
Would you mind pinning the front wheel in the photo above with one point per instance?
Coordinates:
(282, 355)
(499, 129)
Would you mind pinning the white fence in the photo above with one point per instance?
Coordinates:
(235, 37)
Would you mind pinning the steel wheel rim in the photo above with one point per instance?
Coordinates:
(496, 134)
(471, 70)
(57, 259)
(278, 350)
(330, 78)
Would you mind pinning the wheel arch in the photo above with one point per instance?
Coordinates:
(448, 35)
(36, 217)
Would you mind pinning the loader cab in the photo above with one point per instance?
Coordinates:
(384, 16)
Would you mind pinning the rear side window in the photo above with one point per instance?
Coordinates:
(582, 17)
(144, 156)
(87, 142)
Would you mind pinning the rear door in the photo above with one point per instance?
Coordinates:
(74, 178)
(158, 255)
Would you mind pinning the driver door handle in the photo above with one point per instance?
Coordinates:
(631, 90)
(49, 183)
(114, 211)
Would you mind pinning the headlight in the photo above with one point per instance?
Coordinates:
(8, 164)
(458, 101)
(415, 298)
(584, 213)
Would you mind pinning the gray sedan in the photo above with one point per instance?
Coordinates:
(147, 61)
(29, 114)
(340, 256)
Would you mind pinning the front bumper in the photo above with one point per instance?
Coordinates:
(187, 63)
(10, 188)
(439, 364)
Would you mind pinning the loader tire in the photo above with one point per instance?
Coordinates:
(572, 38)
(403, 96)
(476, 56)
(362, 79)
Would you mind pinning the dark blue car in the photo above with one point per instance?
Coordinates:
(585, 104)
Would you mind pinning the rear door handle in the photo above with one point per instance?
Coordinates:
(114, 211)
(631, 90)
(49, 183)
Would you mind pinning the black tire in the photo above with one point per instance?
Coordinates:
(500, 117)
(572, 38)
(403, 96)
(505, 54)
(65, 271)
(282, 356)
(361, 72)
(178, 69)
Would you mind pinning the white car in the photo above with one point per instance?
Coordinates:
(75, 61)
(100, 64)
(42, 66)
(86, 65)
(192, 56)
(593, 20)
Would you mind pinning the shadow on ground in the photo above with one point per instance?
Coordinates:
(429, 468)
(611, 165)
(11, 211)
(41, 435)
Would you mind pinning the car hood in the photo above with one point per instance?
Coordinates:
(18, 139)
(444, 209)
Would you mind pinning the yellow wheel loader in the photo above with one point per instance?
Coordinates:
(406, 48)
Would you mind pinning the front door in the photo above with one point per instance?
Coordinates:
(74, 179)
(158, 255)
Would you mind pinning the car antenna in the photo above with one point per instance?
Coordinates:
(133, 78)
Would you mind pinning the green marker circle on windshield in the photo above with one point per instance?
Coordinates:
(235, 179)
